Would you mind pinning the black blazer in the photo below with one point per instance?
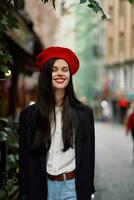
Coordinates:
(33, 176)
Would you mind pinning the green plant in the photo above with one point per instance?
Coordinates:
(7, 20)
(131, 1)
(95, 6)
(9, 131)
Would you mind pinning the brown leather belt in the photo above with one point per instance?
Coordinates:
(62, 177)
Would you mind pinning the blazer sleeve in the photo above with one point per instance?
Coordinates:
(91, 133)
(23, 158)
(93, 142)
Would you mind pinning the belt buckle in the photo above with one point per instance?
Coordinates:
(64, 176)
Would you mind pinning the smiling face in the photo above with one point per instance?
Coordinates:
(60, 74)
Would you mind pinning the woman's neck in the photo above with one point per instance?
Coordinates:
(59, 95)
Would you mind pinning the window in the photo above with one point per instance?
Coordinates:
(122, 8)
(111, 13)
(130, 77)
(133, 14)
(132, 37)
(121, 78)
(121, 42)
(110, 46)
(116, 77)
(126, 77)
(133, 76)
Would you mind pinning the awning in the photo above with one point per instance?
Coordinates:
(130, 96)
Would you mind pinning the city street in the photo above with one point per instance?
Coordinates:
(114, 176)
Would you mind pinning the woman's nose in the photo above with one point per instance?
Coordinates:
(60, 72)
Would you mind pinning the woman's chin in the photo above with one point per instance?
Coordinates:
(59, 86)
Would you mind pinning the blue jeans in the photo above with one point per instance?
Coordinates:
(61, 190)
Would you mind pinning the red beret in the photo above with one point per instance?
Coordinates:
(58, 52)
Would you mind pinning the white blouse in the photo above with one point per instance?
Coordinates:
(59, 162)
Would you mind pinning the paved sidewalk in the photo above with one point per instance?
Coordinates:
(114, 177)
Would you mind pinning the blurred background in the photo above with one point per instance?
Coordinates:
(105, 80)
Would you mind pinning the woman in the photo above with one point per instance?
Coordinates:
(57, 135)
(130, 125)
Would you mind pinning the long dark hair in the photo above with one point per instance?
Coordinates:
(46, 111)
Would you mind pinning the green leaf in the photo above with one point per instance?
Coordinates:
(1, 101)
(3, 194)
(95, 8)
(11, 158)
(3, 20)
(3, 136)
(131, 1)
(2, 27)
(18, 4)
(3, 45)
(12, 22)
(4, 68)
(53, 3)
(82, 1)
(8, 186)
(96, 3)
(104, 17)
(44, 1)
(91, 1)
(8, 58)
(5, 57)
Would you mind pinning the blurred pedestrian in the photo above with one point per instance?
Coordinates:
(57, 144)
(130, 125)
(130, 109)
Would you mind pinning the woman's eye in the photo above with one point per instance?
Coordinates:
(65, 70)
(54, 69)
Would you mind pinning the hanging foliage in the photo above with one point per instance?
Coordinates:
(131, 1)
(95, 6)
(7, 20)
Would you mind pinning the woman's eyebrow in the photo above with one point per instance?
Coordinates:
(54, 66)
(61, 66)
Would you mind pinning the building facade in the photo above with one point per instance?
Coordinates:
(119, 52)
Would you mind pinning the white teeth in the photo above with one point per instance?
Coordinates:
(59, 79)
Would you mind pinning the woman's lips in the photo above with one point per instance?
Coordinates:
(59, 80)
